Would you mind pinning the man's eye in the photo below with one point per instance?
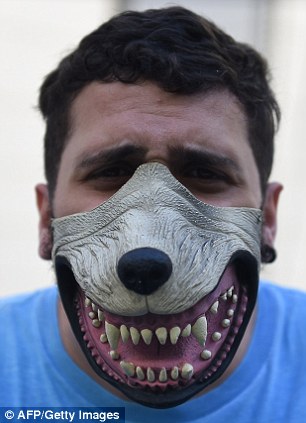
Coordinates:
(111, 172)
(204, 174)
(202, 179)
(108, 178)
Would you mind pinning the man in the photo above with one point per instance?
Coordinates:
(157, 215)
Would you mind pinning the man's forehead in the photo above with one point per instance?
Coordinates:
(116, 96)
(140, 112)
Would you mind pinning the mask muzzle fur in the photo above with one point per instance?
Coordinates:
(158, 286)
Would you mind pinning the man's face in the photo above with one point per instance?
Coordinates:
(203, 141)
(116, 127)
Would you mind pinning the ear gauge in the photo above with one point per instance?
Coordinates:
(268, 254)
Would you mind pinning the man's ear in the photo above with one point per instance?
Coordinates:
(44, 209)
(269, 227)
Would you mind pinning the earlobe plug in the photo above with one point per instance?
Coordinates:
(268, 254)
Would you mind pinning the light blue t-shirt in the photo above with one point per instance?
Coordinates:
(269, 385)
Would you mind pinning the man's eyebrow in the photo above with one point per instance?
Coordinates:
(111, 155)
(181, 154)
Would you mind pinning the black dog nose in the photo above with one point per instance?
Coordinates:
(144, 270)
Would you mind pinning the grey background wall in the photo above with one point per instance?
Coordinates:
(35, 34)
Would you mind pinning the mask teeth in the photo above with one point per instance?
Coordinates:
(113, 334)
(180, 373)
(162, 375)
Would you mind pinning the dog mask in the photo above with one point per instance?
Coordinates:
(158, 286)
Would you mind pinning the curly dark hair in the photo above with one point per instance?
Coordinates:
(179, 51)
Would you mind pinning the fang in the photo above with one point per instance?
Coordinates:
(199, 330)
(112, 333)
